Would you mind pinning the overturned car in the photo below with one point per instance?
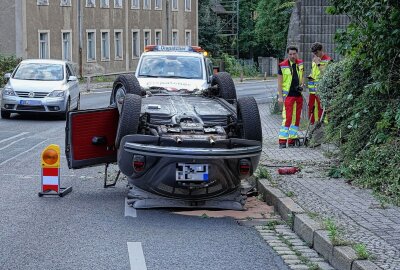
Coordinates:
(177, 148)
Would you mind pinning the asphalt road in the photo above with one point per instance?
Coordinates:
(91, 228)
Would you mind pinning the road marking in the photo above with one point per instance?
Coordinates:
(136, 256)
(8, 145)
(129, 210)
(15, 136)
(22, 153)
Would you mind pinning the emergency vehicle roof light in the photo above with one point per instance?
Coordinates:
(174, 48)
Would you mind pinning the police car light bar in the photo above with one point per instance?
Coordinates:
(173, 48)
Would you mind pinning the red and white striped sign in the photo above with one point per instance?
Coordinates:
(51, 179)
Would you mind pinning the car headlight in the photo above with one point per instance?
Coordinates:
(8, 91)
(57, 93)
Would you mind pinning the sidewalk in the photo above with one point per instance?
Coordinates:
(361, 217)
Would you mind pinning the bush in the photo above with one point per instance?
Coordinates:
(234, 67)
(7, 64)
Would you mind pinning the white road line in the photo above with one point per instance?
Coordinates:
(8, 145)
(136, 256)
(15, 136)
(22, 153)
(129, 210)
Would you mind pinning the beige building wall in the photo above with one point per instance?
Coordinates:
(54, 19)
(7, 22)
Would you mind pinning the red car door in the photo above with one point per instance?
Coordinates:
(90, 137)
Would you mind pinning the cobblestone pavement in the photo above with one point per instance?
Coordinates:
(361, 217)
(295, 253)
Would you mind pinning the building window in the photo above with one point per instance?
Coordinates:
(175, 37)
(91, 45)
(42, 2)
(105, 45)
(135, 4)
(117, 3)
(135, 43)
(158, 37)
(104, 3)
(66, 45)
(44, 46)
(175, 5)
(158, 4)
(188, 38)
(118, 44)
(146, 4)
(146, 38)
(188, 5)
(90, 3)
(65, 3)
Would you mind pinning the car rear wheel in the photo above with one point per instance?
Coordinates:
(124, 84)
(225, 86)
(249, 117)
(5, 115)
(129, 117)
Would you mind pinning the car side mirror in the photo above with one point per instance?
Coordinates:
(7, 76)
(72, 78)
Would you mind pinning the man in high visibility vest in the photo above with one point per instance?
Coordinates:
(290, 83)
(319, 63)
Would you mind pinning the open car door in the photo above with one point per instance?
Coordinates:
(90, 137)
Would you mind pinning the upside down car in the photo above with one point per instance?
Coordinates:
(180, 144)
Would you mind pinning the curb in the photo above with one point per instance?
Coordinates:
(340, 257)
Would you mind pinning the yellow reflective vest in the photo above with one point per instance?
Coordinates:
(316, 73)
(286, 68)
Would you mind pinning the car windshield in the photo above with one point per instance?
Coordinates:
(39, 72)
(168, 66)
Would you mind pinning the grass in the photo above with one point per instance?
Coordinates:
(271, 225)
(361, 251)
(263, 173)
(290, 193)
(334, 233)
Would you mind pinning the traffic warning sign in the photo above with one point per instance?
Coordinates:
(51, 172)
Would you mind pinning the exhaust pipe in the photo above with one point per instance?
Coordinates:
(211, 140)
(178, 140)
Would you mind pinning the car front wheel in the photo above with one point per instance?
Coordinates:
(124, 84)
(5, 115)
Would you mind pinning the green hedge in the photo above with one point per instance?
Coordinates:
(7, 64)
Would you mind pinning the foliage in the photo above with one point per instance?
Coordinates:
(235, 67)
(209, 25)
(7, 64)
(272, 25)
(361, 251)
(362, 97)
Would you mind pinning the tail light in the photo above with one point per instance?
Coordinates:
(244, 166)
(139, 163)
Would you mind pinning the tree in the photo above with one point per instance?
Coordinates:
(209, 25)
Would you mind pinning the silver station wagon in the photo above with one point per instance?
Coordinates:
(40, 85)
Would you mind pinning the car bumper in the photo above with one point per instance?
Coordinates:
(162, 158)
(15, 104)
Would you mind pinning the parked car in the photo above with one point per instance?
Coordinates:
(178, 147)
(40, 85)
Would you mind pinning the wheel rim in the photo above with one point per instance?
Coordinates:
(119, 97)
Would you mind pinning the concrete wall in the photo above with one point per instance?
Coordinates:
(309, 23)
(7, 22)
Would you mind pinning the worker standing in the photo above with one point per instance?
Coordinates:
(290, 85)
(319, 63)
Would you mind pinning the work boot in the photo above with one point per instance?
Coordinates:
(282, 145)
(291, 143)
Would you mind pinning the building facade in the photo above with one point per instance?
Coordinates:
(99, 36)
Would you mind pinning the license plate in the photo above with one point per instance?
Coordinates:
(30, 102)
(191, 172)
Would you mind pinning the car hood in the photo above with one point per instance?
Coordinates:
(32, 85)
(173, 84)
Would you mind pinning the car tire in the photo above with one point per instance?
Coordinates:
(5, 115)
(249, 117)
(124, 84)
(129, 117)
(225, 86)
